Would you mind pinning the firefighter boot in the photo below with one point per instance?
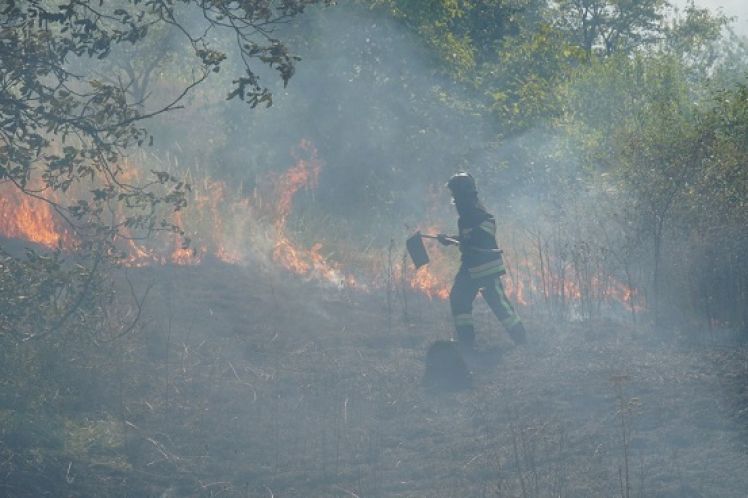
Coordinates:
(518, 334)
(466, 339)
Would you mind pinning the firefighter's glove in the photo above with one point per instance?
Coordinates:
(446, 240)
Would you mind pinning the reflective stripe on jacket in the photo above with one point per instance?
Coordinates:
(477, 238)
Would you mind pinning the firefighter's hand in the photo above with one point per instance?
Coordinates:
(445, 239)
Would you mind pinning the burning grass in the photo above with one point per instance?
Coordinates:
(225, 224)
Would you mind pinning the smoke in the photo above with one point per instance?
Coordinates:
(733, 8)
(388, 127)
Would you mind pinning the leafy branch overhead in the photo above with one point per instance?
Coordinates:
(75, 103)
(60, 126)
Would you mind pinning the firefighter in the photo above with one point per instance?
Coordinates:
(481, 265)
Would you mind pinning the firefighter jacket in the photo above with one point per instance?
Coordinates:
(480, 254)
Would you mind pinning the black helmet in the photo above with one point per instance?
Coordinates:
(462, 184)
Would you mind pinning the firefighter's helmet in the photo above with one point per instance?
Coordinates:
(462, 184)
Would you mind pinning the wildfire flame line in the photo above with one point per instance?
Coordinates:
(215, 218)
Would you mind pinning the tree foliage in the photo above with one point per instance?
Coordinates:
(631, 93)
(68, 123)
(604, 27)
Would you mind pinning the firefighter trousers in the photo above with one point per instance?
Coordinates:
(461, 298)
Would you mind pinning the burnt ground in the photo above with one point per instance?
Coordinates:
(244, 383)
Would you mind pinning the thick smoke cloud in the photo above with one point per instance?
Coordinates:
(388, 127)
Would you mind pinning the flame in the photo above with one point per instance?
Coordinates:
(203, 222)
(515, 291)
(223, 223)
(32, 219)
(434, 279)
(527, 284)
(430, 284)
(306, 262)
(207, 214)
(181, 255)
(304, 174)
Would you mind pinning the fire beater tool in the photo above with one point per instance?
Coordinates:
(417, 250)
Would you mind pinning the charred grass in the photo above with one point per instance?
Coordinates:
(244, 383)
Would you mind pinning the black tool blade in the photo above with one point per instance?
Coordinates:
(417, 250)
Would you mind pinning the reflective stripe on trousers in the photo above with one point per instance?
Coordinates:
(463, 294)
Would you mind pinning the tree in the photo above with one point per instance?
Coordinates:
(463, 35)
(608, 26)
(522, 82)
(714, 211)
(64, 134)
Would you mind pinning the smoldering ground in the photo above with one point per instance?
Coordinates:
(252, 382)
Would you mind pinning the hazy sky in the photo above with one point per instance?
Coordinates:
(737, 8)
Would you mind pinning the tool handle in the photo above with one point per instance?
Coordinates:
(457, 242)
(450, 239)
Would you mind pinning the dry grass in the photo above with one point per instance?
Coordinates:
(246, 383)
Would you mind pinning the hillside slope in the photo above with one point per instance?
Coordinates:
(249, 382)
